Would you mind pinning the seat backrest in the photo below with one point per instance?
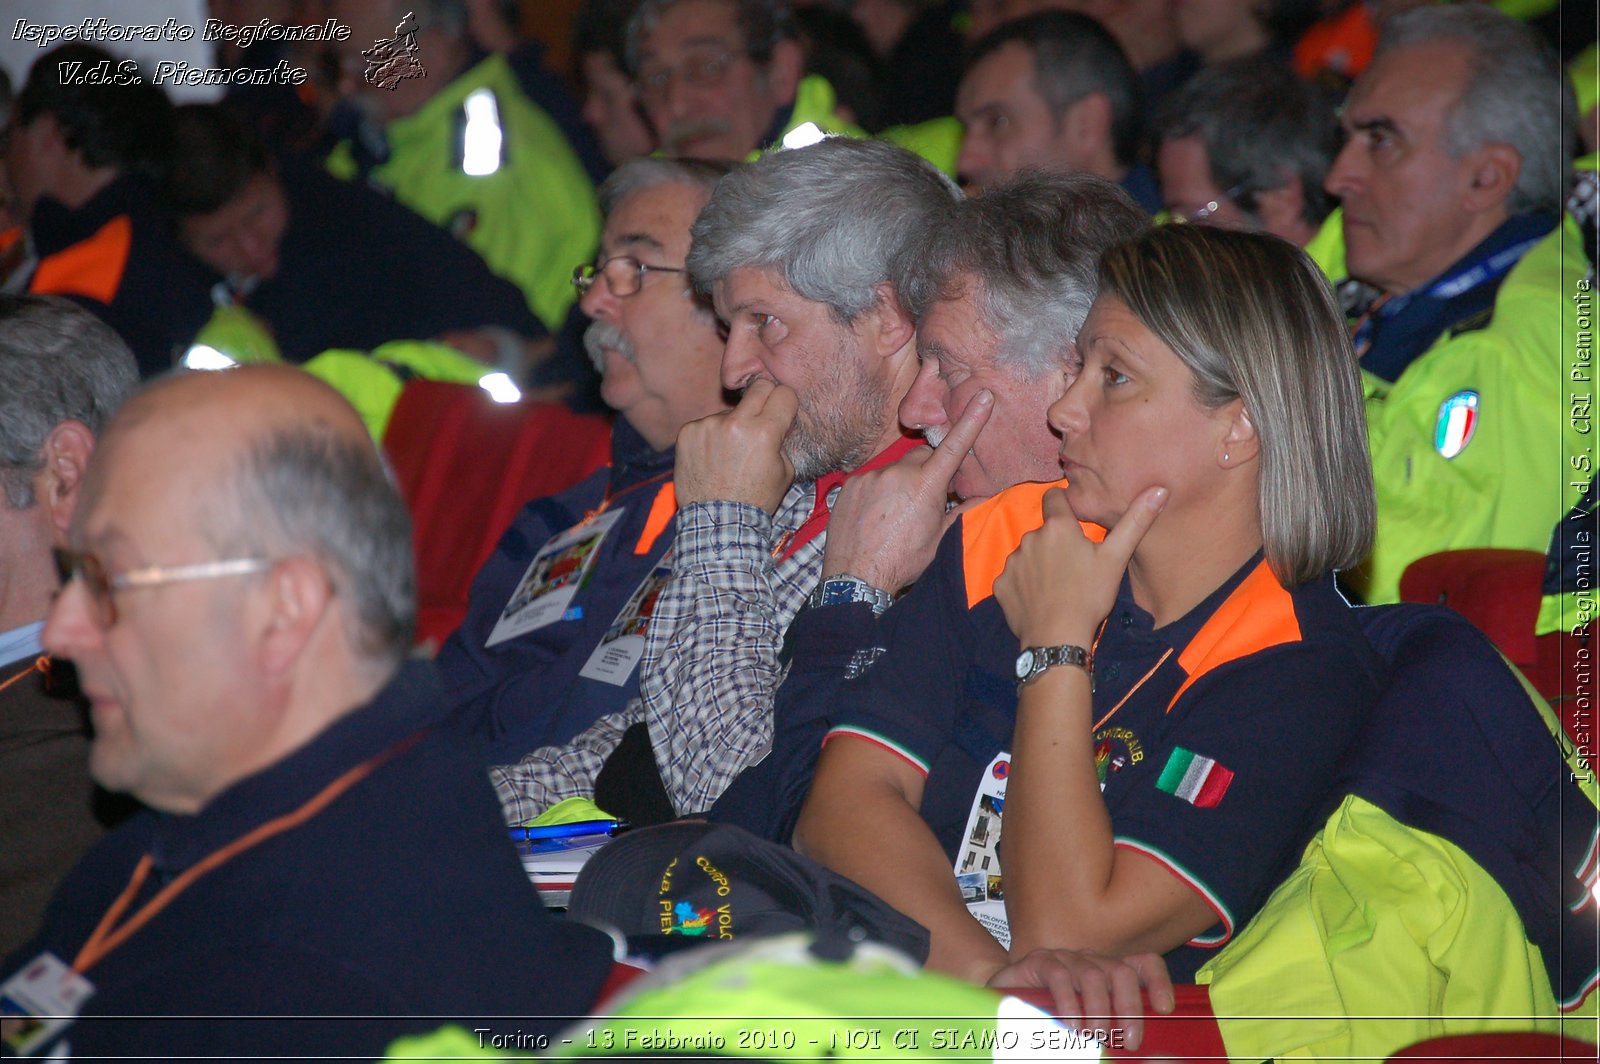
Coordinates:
(1506, 1047)
(465, 465)
(1497, 590)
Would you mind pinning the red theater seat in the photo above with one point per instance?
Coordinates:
(1513, 1047)
(466, 465)
(1497, 590)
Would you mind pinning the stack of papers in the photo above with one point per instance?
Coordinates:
(553, 864)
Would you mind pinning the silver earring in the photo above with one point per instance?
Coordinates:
(1224, 456)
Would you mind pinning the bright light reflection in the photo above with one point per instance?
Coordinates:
(803, 135)
(501, 388)
(1027, 1032)
(204, 356)
(480, 152)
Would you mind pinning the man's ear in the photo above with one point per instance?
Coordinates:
(784, 70)
(1087, 127)
(1493, 173)
(299, 599)
(1240, 443)
(66, 458)
(894, 326)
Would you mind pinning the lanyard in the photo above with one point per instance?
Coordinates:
(1097, 725)
(41, 665)
(1453, 283)
(814, 525)
(106, 937)
(608, 499)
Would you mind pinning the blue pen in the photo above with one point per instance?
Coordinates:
(567, 831)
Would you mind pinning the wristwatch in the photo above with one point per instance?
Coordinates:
(843, 588)
(1034, 660)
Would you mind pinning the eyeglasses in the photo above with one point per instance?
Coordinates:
(702, 71)
(71, 565)
(624, 275)
(1202, 213)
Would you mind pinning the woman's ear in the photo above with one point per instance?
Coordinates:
(1240, 443)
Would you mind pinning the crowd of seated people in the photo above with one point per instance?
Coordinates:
(1024, 430)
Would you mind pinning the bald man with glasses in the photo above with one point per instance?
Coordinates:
(322, 867)
(556, 620)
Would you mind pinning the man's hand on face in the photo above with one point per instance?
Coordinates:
(737, 455)
(886, 524)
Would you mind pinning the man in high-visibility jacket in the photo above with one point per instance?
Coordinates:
(1452, 185)
(464, 146)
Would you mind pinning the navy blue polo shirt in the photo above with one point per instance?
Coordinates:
(1217, 735)
(527, 691)
(397, 908)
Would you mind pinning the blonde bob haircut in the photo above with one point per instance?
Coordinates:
(1254, 319)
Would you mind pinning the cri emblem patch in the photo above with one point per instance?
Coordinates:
(1458, 420)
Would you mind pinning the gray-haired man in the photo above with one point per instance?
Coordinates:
(796, 251)
(62, 373)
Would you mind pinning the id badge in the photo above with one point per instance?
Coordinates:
(554, 577)
(978, 860)
(39, 1002)
(622, 646)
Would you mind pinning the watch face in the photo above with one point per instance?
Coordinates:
(1024, 664)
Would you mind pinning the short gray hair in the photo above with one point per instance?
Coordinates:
(309, 489)
(1516, 93)
(1255, 320)
(831, 218)
(1257, 119)
(1033, 245)
(636, 175)
(58, 362)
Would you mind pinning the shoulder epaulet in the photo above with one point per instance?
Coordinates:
(991, 530)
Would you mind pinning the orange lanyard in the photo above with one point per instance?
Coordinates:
(105, 939)
(1132, 690)
(608, 499)
(41, 665)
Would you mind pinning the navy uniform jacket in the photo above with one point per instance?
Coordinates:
(117, 257)
(1271, 684)
(525, 692)
(1456, 748)
(399, 906)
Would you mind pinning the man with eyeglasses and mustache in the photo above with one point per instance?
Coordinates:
(722, 79)
(534, 662)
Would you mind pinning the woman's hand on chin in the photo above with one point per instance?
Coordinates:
(1059, 584)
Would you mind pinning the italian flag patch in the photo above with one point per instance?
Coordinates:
(1198, 780)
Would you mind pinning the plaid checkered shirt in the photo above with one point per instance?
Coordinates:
(710, 668)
